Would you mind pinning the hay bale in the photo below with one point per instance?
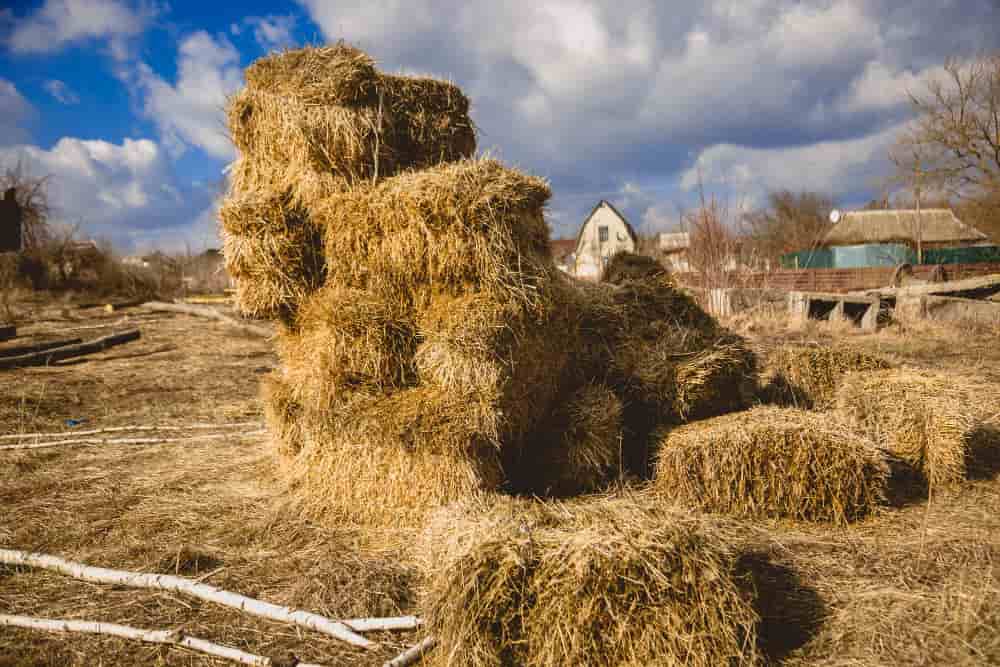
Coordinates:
(722, 378)
(347, 338)
(625, 266)
(808, 377)
(930, 420)
(327, 110)
(473, 225)
(385, 460)
(580, 448)
(772, 462)
(273, 253)
(607, 581)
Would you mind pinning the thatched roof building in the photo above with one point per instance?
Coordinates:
(935, 227)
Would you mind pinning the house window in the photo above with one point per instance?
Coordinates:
(602, 234)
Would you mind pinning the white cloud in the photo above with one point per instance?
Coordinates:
(849, 166)
(881, 87)
(14, 111)
(271, 32)
(59, 23)
(191, 112)
(61, 92)
(125, 192)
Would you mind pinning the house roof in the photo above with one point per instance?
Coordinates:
(937, 225)
(561, 247)
(605, 202)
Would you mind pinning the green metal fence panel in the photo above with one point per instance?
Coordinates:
(872, 254)
(969, 255)
(820, 258)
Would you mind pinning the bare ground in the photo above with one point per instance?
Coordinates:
(917, 585)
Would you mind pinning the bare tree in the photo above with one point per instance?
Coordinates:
(713, 243)
(789, 222)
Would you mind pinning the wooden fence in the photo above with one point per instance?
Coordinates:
(837, 280)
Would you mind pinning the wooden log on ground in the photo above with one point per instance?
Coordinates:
(383, 624)
(111, 307)
(38, 347)
(7, 332)
(71, 442)
(412, 655)
(170, 637)
(183, 586)
(69, 351)
(202, 311)
(120, 429)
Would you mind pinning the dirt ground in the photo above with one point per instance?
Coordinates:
(917, 585)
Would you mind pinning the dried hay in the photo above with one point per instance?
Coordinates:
(272, 251)
(625, 266)
(808, 377)
(610, 581)
(580, 449)
(930, 420)
(773, 462)
(327, 110)
(473, 225)
(347, 338)
(383, 460)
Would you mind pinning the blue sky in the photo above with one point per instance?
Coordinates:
(121, 101)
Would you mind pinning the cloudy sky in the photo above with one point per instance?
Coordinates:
(121, 101)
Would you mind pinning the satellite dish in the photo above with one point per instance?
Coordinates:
(834, 216)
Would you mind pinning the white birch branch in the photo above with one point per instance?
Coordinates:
(412, 655)
(118, 429)
(170, 637)
(120, 441)
(184, 586)
(382, 624)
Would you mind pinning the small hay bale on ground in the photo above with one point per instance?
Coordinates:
(808, 377)
(606, 581)
(930, 420)
(773, 462)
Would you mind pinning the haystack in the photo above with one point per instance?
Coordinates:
(808, 377)
(772, 462)
(609, 581)
(932, 421)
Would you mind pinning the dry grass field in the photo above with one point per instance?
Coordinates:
(917, 584)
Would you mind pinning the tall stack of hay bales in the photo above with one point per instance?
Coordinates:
(430, 347)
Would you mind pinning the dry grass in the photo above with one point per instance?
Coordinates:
(603, 581)
(932, 421)
(808, 377)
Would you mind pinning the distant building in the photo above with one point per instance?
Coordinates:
(604, 233)
(675, 246)
(890, 237)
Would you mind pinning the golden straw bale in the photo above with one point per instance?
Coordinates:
(345, 337)
(930, 420)
(301, 187)
(388, 460)
(605, 581)
(473, 224)
(324, 75)
(773, 462)
(282, 414)
(580, 449)
(722, 378)
(808, 377)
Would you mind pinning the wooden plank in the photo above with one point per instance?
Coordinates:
(18, 350)
(69, 351)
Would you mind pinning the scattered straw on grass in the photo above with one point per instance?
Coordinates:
(808, 377)
(773, 462)
(930, 420)
(610, 581)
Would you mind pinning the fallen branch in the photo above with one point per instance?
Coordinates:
(203, 311)
(381, 624)
(37, 347)
(412, 655)
(119, 429)
(117, 441)
(111, 307)
(170, 637)
(175, 584)
(8, 332)
(69, 351)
